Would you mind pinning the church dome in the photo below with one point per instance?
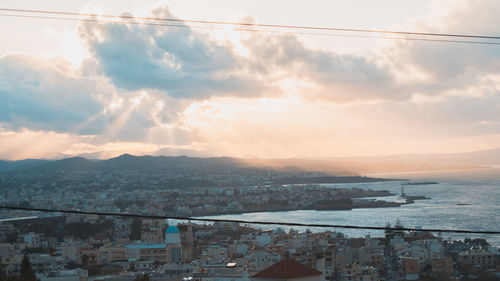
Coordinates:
(172, 229)
(172, 235)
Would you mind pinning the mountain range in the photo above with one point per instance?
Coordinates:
(333, 166)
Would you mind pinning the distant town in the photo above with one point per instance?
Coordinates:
(178, 186)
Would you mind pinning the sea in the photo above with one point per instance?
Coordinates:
(461, 199)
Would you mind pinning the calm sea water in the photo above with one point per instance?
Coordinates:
(480, 188)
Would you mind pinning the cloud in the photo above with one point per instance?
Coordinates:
(451, 65)
(184, 64)
(332, 76)
(177, 88)
(177, 61)
(26, 143)
(43, 94)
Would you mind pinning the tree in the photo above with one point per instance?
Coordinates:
(3, 277)
(131, 267)
(399, 228)
(11, 237)
(388, 231)
(135, 229)
(71, 265)
(144, 277)
(85, 259)
(27, 273)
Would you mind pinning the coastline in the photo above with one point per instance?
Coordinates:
(368, 204)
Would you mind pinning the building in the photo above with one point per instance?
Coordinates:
(33, 239)
(357, 272)
(229, 272)
(173, 244)
(477, 256)
(151, 237)
(172, 235)
(87, 255)
(168, 252)
(289, 270)
(8, 258)
(410, 268)
(69, 249)
(76, 274)
(6, 253)
(187, 242)
(146, 252)
(443, 265)
(45, 263)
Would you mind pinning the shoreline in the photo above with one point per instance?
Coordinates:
(375, 204)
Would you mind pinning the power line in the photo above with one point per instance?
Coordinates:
(251, 29)
(249, 222)
(321, 28)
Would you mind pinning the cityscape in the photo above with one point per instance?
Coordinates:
(233, 140)
(72, 246)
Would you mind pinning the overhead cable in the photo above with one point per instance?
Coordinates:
(280, 223)
(251, 27)
(322, 28)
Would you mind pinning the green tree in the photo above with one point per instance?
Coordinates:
(27, 273)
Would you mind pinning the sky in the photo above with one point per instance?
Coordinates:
(101, 89)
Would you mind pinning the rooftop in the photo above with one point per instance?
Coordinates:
(287, 269)
(145, 246)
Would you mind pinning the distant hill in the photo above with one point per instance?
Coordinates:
(68, 164)
(331, 166)
(127, 161)
(388, 163)
(145, 172)
(7, 166)
(124, 162)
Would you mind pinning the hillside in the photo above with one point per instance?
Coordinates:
(145, 172)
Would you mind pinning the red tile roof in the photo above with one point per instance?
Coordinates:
(287, 269)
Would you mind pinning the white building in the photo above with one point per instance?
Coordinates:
(44, 263)
(76, 274)
(32, 239)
